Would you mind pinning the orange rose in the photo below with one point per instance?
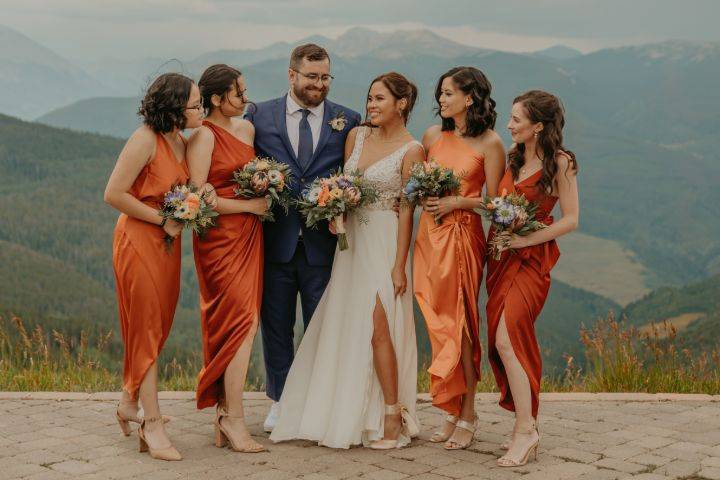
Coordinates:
(324, 196)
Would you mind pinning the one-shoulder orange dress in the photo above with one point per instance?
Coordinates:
(229, 263)
(518, 284)
(447, 272)
(147, 273)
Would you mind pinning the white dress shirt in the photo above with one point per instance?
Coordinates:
(293, 115)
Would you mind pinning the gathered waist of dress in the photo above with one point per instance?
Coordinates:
(461, 216)
(383, 202)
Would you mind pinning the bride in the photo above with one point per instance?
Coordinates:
(354, 378)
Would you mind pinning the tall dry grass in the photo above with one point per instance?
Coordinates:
(618, 358)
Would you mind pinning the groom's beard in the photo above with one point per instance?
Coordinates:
(311, 96)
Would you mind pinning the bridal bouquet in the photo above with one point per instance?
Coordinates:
(184, 204)
(264, 177)
(331, 198)
(510, 214)
(429, 180)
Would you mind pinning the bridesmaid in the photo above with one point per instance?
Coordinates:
(449, 256)
(544, 171)
(229, 259)
(147, 274)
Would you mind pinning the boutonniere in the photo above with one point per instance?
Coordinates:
(338, 123)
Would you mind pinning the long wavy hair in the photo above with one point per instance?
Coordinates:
(481, 114)
(547, 109)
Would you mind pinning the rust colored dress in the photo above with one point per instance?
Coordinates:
(229, 263)
(518, 283)
(447, 272)
(147, 274)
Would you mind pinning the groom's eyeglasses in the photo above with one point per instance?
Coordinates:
(314, 77)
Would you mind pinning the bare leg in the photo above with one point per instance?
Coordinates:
(155, 434)
(234, 383)
(385, 364)
(467, 411)
(522, 397)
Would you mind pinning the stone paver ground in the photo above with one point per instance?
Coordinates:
(604, 437)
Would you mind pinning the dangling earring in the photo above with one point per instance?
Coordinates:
(535, 134)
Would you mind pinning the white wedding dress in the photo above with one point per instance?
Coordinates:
(332, 394)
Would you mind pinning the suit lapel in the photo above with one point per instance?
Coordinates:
(325, 130)
(281, 124)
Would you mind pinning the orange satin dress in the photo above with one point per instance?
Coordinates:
(229, 264)
(147, 273)
(447, 272)
(518, 284)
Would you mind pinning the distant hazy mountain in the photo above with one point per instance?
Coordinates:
(558, 52)
(116, 116)
(33, 79)
(356, 42)
(665, 92)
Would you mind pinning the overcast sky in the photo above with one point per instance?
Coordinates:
(88, 29)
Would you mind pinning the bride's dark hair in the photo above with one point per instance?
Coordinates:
(481, 114)
(400, 87)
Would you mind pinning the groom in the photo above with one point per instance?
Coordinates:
(307, 132)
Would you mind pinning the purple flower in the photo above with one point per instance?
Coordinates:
(173, 196)
(343, 183)
(504, 215)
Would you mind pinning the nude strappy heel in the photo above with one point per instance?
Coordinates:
(222, 437)
(465, 425)
(440, 436)
(408, 428)
(168, 453)
(124, 422)
(505, 445)
(504, 461)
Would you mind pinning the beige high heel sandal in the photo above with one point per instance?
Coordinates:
(505, 445)
(168, 453)
(408, 427)
(124, 422)
(465, 425)
(222, 437)
(440, 436)
(504, 461)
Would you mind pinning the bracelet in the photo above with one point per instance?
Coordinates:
(162, 224)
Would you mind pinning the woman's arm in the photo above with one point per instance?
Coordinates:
(138, 151)
(416, 154)
(566, 181)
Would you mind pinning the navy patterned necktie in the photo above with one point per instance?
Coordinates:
(305, 145)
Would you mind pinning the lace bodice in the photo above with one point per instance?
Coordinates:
(385, 174)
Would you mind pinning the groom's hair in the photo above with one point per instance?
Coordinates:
(310, 52)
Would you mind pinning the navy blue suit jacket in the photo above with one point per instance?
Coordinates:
(271, 140)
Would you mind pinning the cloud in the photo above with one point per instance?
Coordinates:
(80, 29)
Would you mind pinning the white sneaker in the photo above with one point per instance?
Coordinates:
(272, 417)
